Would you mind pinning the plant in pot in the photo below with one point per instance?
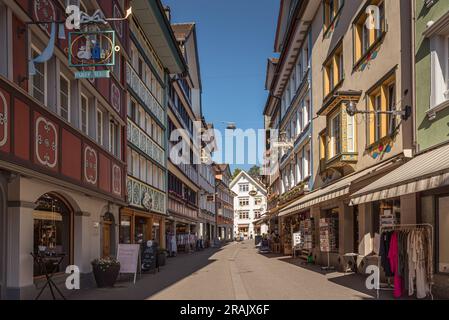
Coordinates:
(106, 271)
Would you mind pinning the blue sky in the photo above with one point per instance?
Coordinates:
(235, 38)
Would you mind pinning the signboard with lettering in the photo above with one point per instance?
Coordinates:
(129, 255)
(297, 239)
(92, 74)
(92, 48)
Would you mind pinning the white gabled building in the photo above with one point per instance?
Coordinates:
(249, 205)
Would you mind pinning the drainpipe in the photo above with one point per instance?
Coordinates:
(413, 60)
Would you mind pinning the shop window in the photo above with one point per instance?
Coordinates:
(141, 230)
(333, 71)
(64, 97)
(331, 10)
(53, 220)
(4, 40)
(381, 98)
(365, 39)
(125, 229)
(38, 82)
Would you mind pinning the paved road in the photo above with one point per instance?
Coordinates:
(236, 271)
(239, 272)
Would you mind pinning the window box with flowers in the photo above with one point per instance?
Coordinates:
(106, 271)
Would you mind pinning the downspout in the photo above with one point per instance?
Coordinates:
(413, 61)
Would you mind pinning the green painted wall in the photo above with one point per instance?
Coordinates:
(429, 133)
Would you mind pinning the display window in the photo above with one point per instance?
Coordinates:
(52, 230)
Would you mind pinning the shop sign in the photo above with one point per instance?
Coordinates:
(253, 193)
(92, 49)
(129, 255)
(297, 239)
(92, 74)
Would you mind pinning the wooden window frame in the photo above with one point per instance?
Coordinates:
(69, 94)
(34, 48)
(83, 96)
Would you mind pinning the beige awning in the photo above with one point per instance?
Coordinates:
(427, 171)
(333, 191)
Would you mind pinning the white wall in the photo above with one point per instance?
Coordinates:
(243, 179)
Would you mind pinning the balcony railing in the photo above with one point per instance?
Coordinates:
(142, 141)
(140, 88)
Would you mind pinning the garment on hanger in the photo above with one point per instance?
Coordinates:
(385, 240)
(393, 256)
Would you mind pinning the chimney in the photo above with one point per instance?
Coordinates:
(168, 13)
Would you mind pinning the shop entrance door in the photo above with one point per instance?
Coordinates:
(106, 239)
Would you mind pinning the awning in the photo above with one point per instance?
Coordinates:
(427, 171)
(333, 191)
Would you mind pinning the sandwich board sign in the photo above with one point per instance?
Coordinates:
(129, 257)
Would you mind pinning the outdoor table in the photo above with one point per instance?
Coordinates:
(42, 260)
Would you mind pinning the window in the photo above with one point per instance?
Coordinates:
(113, 138)
(84, 114)
(64, 97)
(299, 175)
(350, 134)
(243, 202)
(3, 39)
(129, 160)
(244, 187)
(335, 136)
(244, 215)
(333, 71)
(381, 98)
(38, 83)
(257, 214)
(364, 38)
(331, 9)
(99, 126)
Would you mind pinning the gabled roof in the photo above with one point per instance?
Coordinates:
(251, 179)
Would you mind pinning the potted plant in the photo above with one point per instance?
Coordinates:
(106, 271)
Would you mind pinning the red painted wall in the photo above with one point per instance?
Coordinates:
(71, 155)
(105, 173)
(21, 130)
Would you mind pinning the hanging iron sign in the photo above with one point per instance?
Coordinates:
(92, 49)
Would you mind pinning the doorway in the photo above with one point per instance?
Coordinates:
(108, 239)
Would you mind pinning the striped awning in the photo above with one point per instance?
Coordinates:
(333, 191)
(426, 171)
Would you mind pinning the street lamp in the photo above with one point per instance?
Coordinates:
(351, 110)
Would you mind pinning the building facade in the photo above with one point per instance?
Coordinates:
(62, 150)
(147, 78)
(183, 175)
(369, 70)
(224, 202)
(423, 181)
(249, 205)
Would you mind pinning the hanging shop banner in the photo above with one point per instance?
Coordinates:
(92, 49)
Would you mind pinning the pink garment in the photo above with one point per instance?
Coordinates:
(393, 256)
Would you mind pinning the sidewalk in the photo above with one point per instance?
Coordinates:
(176, 269)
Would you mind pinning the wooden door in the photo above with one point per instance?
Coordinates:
(106, 239)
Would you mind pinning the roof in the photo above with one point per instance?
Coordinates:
(244, 173)
(426, 171)
(151, 16)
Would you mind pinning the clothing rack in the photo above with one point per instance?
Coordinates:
(403, 227)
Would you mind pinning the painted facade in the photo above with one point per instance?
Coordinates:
(249, 206)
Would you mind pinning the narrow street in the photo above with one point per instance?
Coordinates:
(235, 272)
